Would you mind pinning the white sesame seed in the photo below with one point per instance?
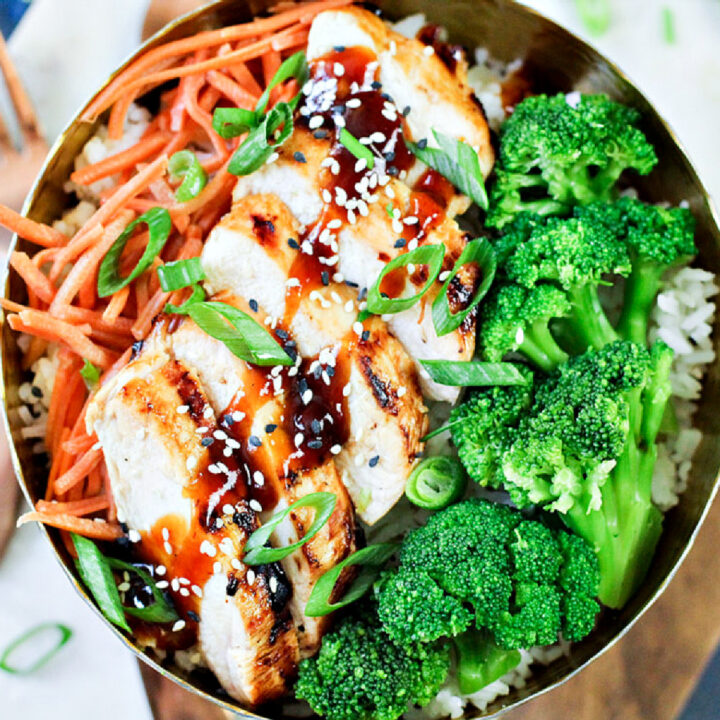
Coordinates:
(299, 437)
(393, 47)
(220, 435)
(357, 328)
(167, 547)
(378, 137)
(207, 548)
(428, 50)
(292, 282)
(134, 536)
(353, 103)
(389, 114)
(235, 564)
(335, 449)
(338, 69)
(162, 584)
(178, 626)
(412, 244)
(390, 192)
(444, 275)
(197, 590)
(335, 297)
(360, 165)
(165, 534)
(123, 587)
(307, 396)
(217, 568)
(183, 581)
(401, 391)
(213, 469)
(338, 277)
(410, 268)
(259, 478)
(182, 409)
(339, 121)
(250, 577)
(410, 220)
(201, 430)
(255, 505)
(160, 570)
(346, 390)
(334, 224)
(174, 584)
(315, 122)
(326, 196)
(184, 592)
(340, 196)
(273, 157)
(208, 412)
(349, 306)
(273, 584)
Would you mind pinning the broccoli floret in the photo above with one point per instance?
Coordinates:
(360, 674)
(584, 448)
(555, 153)
(487, 560)
(657, 239)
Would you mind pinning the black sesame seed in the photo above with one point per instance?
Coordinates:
(315, 444)
(207, 441)
(385, 96)
(330, 371)
(390, 156)
(282, 334)
(271, 428)
(320, 134)
(255, 441)
(229, 419)
(374, 461)
(299, 157)
(351, 284)
(339, 48)
(317, 372)
(316, 426)
(422, 143)
(293, 243)
(302, 386)
(124, 527)
(232, 586)
(36, 391)
(362, 294)
(193, 616)
(289, 344)
(406, 111)
(253, 305)
(365, 335)
(376, 85)
(325, 277)
(393, 171)
(292, 353)
(400, 242)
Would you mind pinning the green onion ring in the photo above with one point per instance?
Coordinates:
(184, 164)
(65, 633)
(436, 482)
(179, 274)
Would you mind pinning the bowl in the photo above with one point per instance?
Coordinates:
(554, 60)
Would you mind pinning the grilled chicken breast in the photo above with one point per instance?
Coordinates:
(380, 392)
(193, 515)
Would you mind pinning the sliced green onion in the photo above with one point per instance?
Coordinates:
(596, 15)
(198, 295)
(231, 122)
(436, 482)
(159, 224)
(160, 611)
(63, 633)
(372, 558)
(180, 273)
(239, 332)
(255, 150)
(457, 162)
(668, 22)
(98, 577)
(360, 151)
(473, 373)
(184, 164)
(430, 255)
(436, 432)
(295, 66)
(481, 661)
(255, 551)
(477, 251)
(90, 374)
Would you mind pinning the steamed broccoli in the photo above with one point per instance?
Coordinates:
(482, 564)
(582, 444)
(555, 153)
(657, 239)
(361, 674)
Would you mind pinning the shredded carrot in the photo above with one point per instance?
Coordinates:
(142, 150)
(116, 305)
(238, 95)
(30, 230)
(79, 445)
(96, 529)
(86, 506)
(37, 348)
(35, 279)
(79, 470)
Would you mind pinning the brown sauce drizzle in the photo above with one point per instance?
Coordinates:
(449, 54)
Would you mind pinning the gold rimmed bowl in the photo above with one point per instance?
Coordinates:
(554, 60)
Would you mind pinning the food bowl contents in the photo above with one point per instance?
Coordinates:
(310, 432)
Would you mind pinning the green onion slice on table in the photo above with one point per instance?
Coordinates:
(255, 551)
(436, 482)
(159, 226)
(430, 255)
(58, 632)
(372, 558)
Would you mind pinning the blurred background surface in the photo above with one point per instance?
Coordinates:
(63, 50)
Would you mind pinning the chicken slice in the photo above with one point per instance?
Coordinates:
(438, 97)
(278, 475)
(379, 390)
(188, 511)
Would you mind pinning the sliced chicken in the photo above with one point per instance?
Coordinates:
(278, 471)
(412, 75)
(193, 515)
(379, 389)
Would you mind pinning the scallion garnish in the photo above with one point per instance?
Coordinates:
(98, 577)
(255, 551)
(596, 15)
(430, 255)
(372, 558)
(90, 374)
(184, 164)
(456, 161)
(480, 661)
(198, 295)
(473, 373)
(63, 634)
(477, 251)
(436, 482)
(668, 23)
(294, 67)
(159, 225)
(160, 610)
(96, 571)
(354, 146)
(231, 122)
(239, 332)
(255, 150)
(180, 273)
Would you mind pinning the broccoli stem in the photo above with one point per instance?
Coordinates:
(641, 289)
(588, 319)
(541, 348)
